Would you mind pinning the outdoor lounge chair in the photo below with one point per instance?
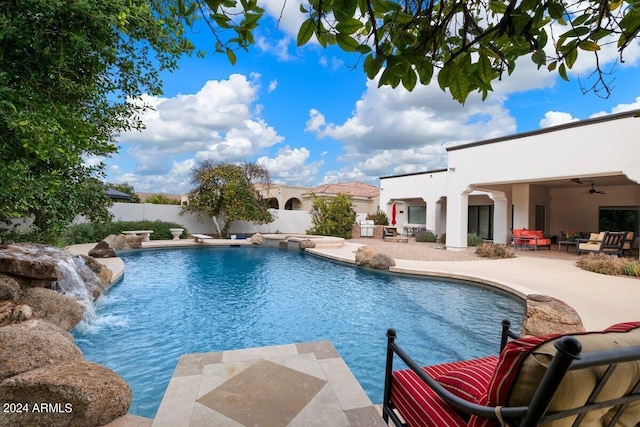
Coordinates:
(530, 239)
(589, 379)
(628, 243)
(608, 242)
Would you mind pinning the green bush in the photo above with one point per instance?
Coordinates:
(89, 233)
(474, 240)
(632, 269)
(491, 250)
(332, 217)
(379, 218)
(426, 236)
(603, 264)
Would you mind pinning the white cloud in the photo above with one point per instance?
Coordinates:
(554, 118)
(290, 167)
(273, 84)
(220, 122)
(393, 131)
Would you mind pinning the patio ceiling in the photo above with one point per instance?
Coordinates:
(565, 182)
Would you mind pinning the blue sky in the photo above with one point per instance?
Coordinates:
(310, 116)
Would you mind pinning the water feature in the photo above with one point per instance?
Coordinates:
(172, 302)
(76, 280)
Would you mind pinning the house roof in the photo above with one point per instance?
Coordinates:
(355, 188)
(114, 194)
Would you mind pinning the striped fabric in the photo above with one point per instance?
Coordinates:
(420, 406)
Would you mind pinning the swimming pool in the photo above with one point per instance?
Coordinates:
(172, 302)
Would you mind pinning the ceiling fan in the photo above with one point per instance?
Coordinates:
(593, 190)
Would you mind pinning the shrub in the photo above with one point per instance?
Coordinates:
(332, 217)
(603, 264)
(379, 218)
(632, 269)
(473, 239)
(491, 250)
(94, 232)
(426, 236)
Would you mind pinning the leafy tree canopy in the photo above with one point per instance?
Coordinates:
(161, 199)
(332, 216)
(226, 193)
(468, 43)
(67, 72)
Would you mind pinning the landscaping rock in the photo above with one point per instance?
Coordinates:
(60, 309)
(134, 241)
(102, 250)
(74, 394)
(306, 244)
(547, 315)
(46, 327)
(381, 261)
(29, 260)
(256, 239)
(9, 288)
(24, 349)
(364, 254)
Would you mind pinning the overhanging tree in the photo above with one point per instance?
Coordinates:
(225, 192)
(469, 43)
(67, 72)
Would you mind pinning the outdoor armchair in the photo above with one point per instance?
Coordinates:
(589, 379)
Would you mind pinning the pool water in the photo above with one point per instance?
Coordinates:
(172, 302)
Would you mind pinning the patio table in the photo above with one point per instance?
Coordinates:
(566, 243)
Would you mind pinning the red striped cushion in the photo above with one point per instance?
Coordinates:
(511, 359)
(471, 382)
(418, 405)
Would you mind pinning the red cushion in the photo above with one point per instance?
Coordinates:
(537, 233)
(470, 383)
(511, 358)
(544, 242)
(418, 405)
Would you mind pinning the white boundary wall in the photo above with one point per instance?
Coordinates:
(286, 221)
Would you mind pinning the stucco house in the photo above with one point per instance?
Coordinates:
(580, 176)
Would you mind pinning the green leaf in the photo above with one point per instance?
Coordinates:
(409, 80)
(577, 32)
(303, 9)
(556, 10)
(349, 26)
(306, 31)
(571, 57)
(231, 56)
(347, 43)
(425, 72)
(485, 69)
(372, 65)
(497, 6)
(589, 45)
(562, 70)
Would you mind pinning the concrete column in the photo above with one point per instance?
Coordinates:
(432, 209)
(500, 217)
(457, 219)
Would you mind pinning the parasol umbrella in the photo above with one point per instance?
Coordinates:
(393, 214)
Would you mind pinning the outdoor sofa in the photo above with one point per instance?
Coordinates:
(588, 379)
(530, 239)
(608, 242)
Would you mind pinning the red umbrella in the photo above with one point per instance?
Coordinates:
(393, 214)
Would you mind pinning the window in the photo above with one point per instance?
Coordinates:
(417, 215)
(480, 221)
(619, 218)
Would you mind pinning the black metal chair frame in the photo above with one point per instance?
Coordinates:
(568, 357)
(612, 240)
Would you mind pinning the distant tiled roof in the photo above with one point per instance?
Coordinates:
(356, 189)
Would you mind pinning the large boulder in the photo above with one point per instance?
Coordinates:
(134, 241)
(364, 254)
(306, 244)
(45, 327)
(256, 239)
(58, 308)
(546, 315)
(9, 288)
(67, 394)
(102, 250)
(30, 260)
(27, 348)
(381, 261)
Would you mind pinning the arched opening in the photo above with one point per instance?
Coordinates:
(293, 204)
(273, 203)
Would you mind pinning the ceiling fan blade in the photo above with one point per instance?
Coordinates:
(576, 180)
